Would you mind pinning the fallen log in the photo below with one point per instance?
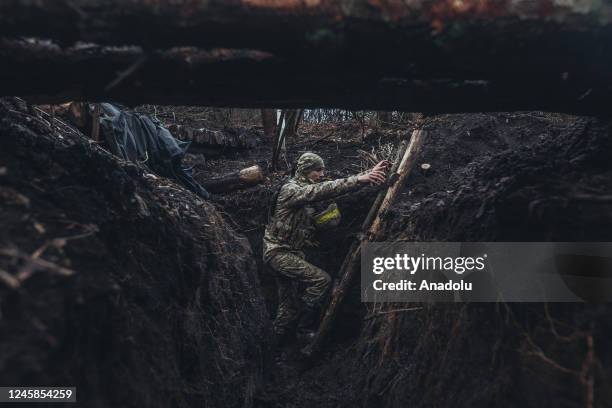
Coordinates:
(352, 260)
(422, 55)
(246, 177)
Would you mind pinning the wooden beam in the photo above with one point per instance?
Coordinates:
(351, 262)
(403, 171)
(287, 25)
(425, 55)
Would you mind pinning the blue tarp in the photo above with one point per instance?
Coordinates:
(139, 138)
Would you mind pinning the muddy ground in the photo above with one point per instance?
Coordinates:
(195, 312)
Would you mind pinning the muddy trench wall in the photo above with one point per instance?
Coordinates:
(122, 283)
(140, 291)
(514, 178)
(522, 176)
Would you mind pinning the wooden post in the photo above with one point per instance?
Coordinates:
(351, 262)
(404, 169)
(391, 178)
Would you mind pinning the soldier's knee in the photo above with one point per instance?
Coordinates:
(328, 279)
(323, 280)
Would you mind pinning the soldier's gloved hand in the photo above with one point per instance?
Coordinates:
(376, 174)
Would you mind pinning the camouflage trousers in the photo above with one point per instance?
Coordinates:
(292, 271)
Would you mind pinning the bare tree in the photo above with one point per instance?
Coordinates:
(268, 119)
(286, 127)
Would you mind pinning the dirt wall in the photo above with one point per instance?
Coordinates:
(117, 281)
(504, 177)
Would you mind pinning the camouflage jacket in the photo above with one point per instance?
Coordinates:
(292, 227)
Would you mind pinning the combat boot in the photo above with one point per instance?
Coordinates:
(308, 323)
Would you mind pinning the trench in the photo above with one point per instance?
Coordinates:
(167, 302)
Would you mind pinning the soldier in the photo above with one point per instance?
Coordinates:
(291, 229)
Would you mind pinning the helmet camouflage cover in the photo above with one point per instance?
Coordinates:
(308, 162)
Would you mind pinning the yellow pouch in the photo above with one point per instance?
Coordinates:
(330, 217)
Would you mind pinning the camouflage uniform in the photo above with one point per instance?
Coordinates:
(290, 230)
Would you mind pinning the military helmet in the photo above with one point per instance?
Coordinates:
(308, 162)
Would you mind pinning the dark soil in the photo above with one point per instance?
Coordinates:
(524, 176)
(164, 306)
(167, 295)
(546, 181)
(536, 181)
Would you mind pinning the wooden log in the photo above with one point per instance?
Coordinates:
(422, 55)
(351, 258)
(404, 169)
(351, 262)
(246, 177)
(391, 179)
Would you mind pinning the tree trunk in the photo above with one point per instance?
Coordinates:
(268, 119)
